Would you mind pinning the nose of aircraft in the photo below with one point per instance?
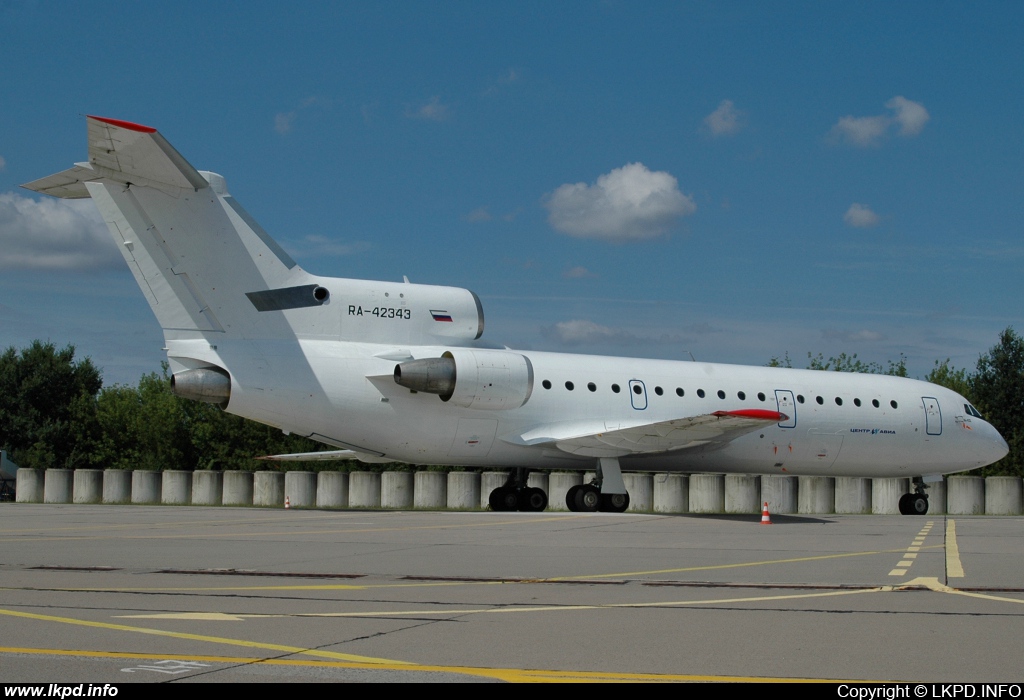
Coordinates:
(997, 447)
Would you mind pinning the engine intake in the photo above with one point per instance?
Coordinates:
(207, 384)
(479, 379)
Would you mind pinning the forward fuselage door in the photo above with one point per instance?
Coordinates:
(638, 394)
(787, 406)
(932, 415)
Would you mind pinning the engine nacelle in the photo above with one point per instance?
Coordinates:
(481, 379)
(207, 384)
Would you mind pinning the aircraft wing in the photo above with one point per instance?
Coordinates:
(326, 456)
(586, 440)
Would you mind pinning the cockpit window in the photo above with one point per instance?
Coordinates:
(971, 410)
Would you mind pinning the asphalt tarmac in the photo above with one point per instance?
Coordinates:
(118, 594)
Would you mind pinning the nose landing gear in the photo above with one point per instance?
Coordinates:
(915, 503)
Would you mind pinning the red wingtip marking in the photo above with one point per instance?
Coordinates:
(759, 413)
(123, 124)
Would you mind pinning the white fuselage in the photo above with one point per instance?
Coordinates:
(344, 394)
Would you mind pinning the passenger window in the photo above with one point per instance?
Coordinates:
(893, 404)
(679, 391)
(721, 394)
(760, 396)
(874, 402)
(741, 396)
(820, 400)
(799, 398)
(615, 388)
(546, 384)
(570, 386)
(700, 393)
(592, 386)
(839, 401)
(637, 389)
(658, 390)
(856, 402)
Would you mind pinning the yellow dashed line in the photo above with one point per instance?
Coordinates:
(954, 569)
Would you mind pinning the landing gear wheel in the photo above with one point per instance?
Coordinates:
(570, 498)
(503, 498)
(533, 500)
(588, 499)
(614, 502)
(904, 504)
(918, 504)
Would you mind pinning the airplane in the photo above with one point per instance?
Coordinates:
(395, 371)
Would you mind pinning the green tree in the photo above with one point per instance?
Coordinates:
(48, 409)
(997, 389)
(944, 374)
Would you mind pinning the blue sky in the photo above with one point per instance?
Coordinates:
(732, 180)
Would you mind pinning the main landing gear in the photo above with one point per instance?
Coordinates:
(516, 495)
(606, 493)
(915, 503)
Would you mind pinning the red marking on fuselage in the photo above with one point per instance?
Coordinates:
(124, 125)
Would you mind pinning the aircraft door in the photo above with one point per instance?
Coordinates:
(638, 394)
(932, 415)
(784, 398)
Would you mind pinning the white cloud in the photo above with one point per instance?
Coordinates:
(283, 122)
(578, 272)
(314, 246)
(478, 215)
(862, 336)
(434, 110)
(724, 120)
(629, 203)
(54, 234)
(861, 131)
(860, 216)
(909, 116)
(580, 332)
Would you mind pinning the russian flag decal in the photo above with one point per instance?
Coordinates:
(441, 316)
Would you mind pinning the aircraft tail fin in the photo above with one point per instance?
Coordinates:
(203, 263)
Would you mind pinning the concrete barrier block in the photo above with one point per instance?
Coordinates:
(238, 488)
(464, 490)
(58, 486)
(430, 490)
(780, 493)
(88, 486)
(146, 486)
(671, 493)
(707, 493)
(965, 495)
(300, 489)
(268, 489)
(332, 490)
(207, 488)
(488, 482)
(853, 495)
(886, 494)
(396, 490)
(559, 484)
(742, 493)
(640, 487)
(176, 487)
(364, 490)
(29, 485)
(1003, 495)
(117, 486)
(816, 495)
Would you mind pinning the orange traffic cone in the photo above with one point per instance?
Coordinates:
(765, 518)
(288, 504)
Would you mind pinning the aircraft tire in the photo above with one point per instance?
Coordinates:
(918, 504)
(570, 497)
(614, 502)
(503, 499)
(588, 499)
(533, 500)
(904, 504)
